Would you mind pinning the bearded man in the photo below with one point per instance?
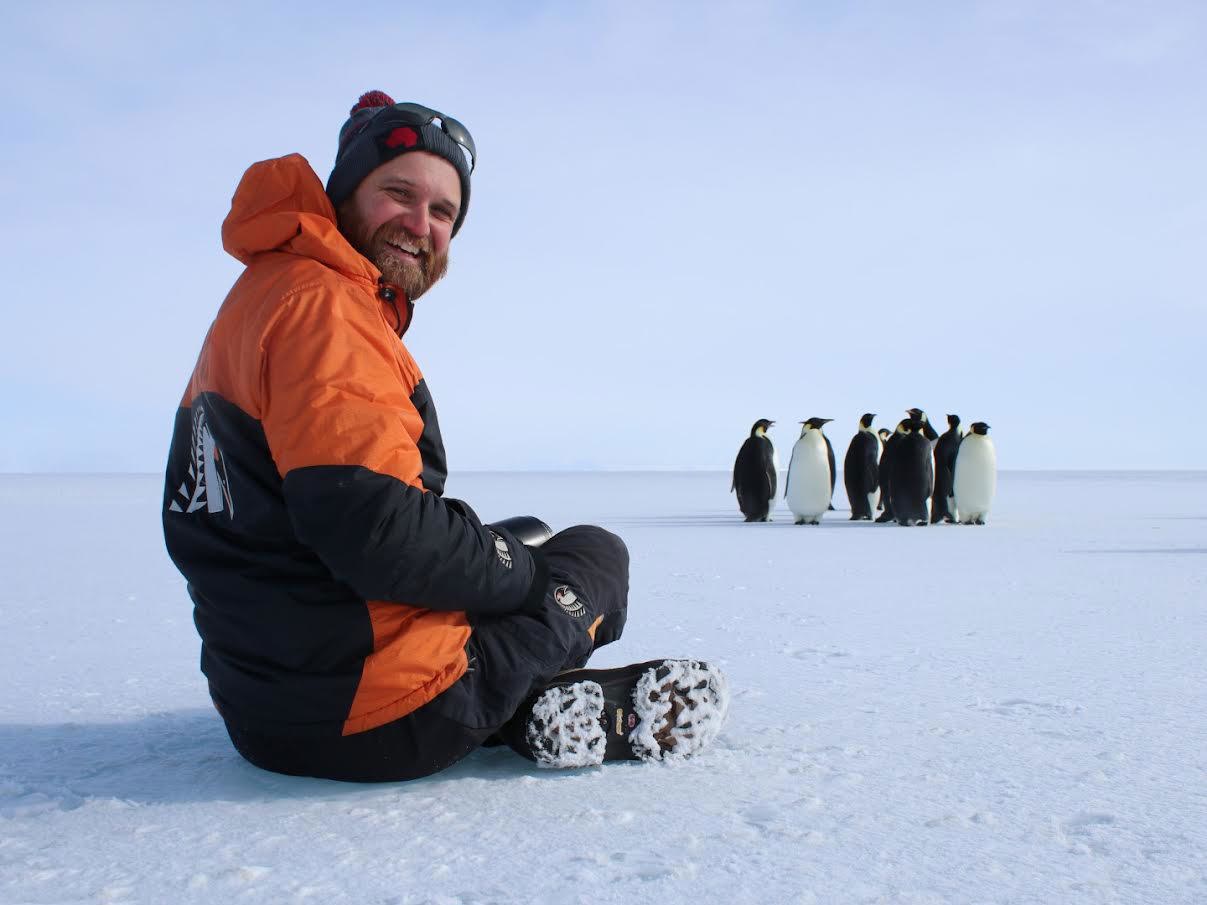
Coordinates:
(355, 624)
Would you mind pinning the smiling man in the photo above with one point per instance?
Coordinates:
(355, 624)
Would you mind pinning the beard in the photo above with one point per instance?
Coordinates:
(414, 274)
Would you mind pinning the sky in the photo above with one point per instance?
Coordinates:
(685, 217)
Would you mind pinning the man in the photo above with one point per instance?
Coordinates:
(355, 624)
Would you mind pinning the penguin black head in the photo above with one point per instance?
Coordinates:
(980, 427)
(916, 414)
(760, 427)
(953, 421)
(866, 421)
(884, 433)
(816, 423)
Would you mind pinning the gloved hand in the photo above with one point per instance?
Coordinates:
(527, 529)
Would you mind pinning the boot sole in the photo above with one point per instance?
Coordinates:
(651, 711)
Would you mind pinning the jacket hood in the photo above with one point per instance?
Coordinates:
(280, 205)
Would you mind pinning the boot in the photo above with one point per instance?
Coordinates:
(646, 711)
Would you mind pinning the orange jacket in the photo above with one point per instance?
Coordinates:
(331, 582)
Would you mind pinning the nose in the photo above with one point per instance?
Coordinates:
(415, 219)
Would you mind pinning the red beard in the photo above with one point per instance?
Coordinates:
(413, 274)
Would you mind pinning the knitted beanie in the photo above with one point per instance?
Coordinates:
(371, 136)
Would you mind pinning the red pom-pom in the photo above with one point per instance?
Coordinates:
(372, 99)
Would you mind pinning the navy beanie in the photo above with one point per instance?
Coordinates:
(367, 140)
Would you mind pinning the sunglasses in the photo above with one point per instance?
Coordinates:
(419, 115)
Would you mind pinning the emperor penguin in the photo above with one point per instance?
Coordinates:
(754, 474)
(829, 459)
(860, 471)
(942, 504)
(810, 482)
(885, 473)
(975, 475)
(882, 435)
(928, 429)
(912, 469)
(886, 459)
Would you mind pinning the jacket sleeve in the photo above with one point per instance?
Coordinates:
(338, 418)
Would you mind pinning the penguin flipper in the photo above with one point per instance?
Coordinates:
(737, 463)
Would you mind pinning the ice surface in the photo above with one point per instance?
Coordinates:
(1012, 713)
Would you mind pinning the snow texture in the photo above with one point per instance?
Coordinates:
(1011, 713)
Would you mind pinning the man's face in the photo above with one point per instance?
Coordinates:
(401, 218)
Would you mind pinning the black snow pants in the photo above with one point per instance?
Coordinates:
(510, 657)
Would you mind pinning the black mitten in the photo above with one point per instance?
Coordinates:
(527, 529)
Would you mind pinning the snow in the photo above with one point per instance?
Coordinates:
(1011, 713)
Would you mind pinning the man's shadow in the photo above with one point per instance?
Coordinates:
(171, 758)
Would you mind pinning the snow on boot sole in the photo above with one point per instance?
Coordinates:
(660, 709)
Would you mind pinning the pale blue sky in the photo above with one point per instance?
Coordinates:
(686, 216)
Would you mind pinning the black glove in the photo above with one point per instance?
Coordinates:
(527, 529)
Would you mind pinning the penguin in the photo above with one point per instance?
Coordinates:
(975, 475)
(942, 504)
(886, 460)
(912, 470)
(860, 471)
(928, 429)
(810, 482)
(883, 434)
(829, 459)
(885, 473)
(754, 474)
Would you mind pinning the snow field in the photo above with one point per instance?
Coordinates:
(1011, 713)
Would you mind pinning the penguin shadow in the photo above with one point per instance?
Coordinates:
(839, 518)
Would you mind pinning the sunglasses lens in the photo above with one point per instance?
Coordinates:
(461, 136)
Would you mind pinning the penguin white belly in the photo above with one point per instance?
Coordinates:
(975, 478)
(809, 478)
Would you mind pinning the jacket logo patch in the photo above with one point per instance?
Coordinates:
(568, 601)
(207, 486)
(501, 550)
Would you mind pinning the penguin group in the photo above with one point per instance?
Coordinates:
(912, 475)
